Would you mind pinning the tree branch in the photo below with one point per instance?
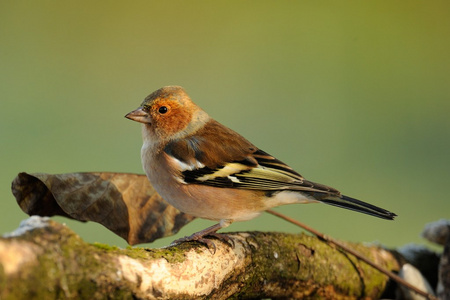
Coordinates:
(50, 260)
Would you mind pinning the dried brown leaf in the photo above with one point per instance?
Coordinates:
(124, 203)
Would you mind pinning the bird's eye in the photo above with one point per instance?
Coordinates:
(163, 110)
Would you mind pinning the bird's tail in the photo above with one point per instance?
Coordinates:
(359, 206)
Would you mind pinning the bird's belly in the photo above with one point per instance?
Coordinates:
(213, 203)
(221, 203)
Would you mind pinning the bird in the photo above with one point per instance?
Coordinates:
(207, 170)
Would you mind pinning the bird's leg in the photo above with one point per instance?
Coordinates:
(200, 236)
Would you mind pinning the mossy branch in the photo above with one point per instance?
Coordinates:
(51, 261)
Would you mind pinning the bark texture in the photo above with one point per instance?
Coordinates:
(44, 259)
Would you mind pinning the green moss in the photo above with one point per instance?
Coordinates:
(323, 265)
(105, 247)
(171, 254)
(377, 280)
(136, 253)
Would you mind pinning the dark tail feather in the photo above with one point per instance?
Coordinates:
(359, 206)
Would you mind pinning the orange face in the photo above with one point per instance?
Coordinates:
(168, 116)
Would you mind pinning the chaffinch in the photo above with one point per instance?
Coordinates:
(207, 170)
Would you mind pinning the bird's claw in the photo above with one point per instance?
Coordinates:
(224, 238)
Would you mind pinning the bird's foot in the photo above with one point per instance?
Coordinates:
(204, 236)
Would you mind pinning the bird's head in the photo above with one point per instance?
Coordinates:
(169, 113)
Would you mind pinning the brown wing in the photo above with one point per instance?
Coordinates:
(213, 146)
(218, 156)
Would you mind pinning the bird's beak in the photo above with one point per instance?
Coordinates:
(139, 115)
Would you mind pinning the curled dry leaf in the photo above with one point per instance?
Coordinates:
(124, 203)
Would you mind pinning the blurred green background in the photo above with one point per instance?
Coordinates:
(351, 94)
